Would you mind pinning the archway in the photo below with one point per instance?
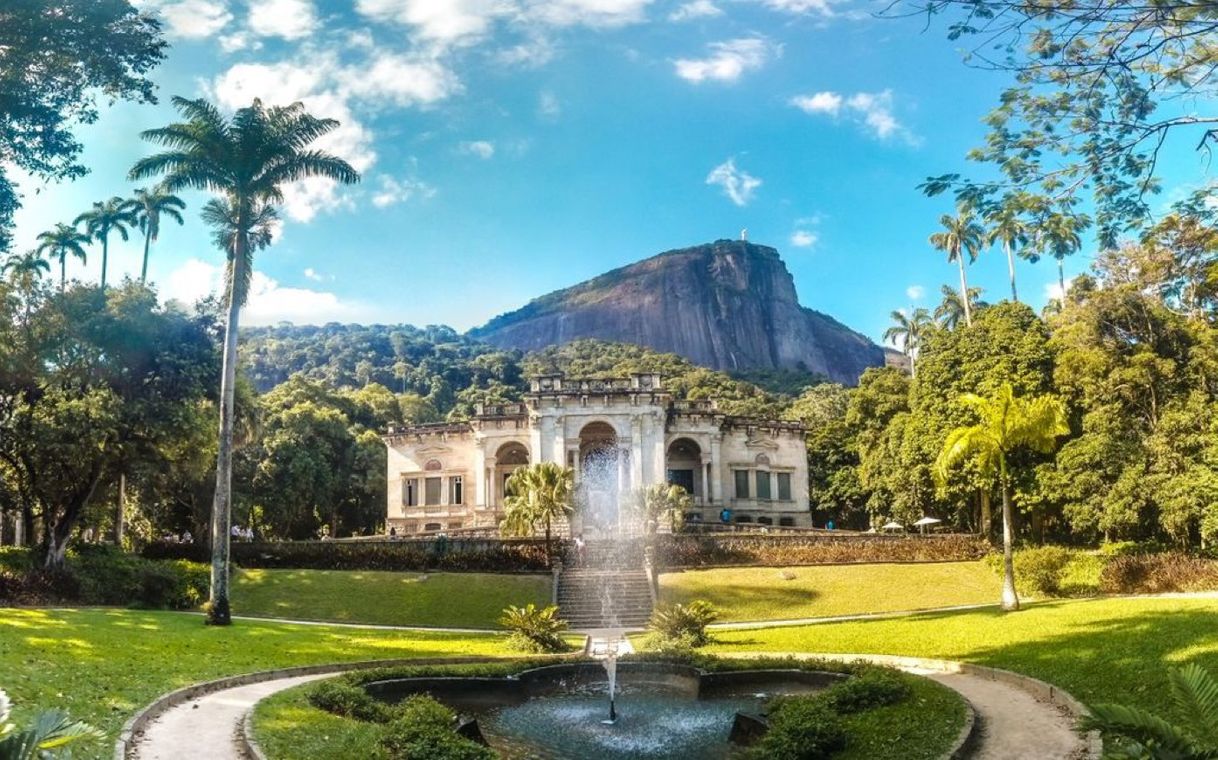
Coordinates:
(600, 472)
(684, 467)
(509, 457)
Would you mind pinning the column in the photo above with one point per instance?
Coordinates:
(716, 470)
(704, 473)
(638, 478)
(477, 473)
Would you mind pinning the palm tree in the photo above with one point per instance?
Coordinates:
(1007, 423)
(908, 332)
(961, 234)
(1059, 237)
(114, 215)
(1140, 733)
(660, 503)
(149, 205)
(536, 495)
(246, 159)
(26, 268)
(952, 309)
(1007, 228)
(61, 242)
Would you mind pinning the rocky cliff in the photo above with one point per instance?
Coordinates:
(729, 305)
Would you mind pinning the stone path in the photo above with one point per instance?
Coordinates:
(208, 727)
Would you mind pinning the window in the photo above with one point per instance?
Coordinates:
(456, 489)
(433, 465)
(410, 492)
(431, 491)
(763, 485)
(784, 486)
(432, 527)
(454, 526)
(744, 519)
(787, 522)
(765, 520)
(742, 484)
(683, 478)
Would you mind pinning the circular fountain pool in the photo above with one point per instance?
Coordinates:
(663, 711)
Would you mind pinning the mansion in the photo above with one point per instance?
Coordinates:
(617, 435)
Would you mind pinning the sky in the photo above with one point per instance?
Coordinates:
(509, 148)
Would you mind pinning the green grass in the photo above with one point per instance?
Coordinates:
(453, 600)
(922, 727)
(761, 593)
(1100, 650)
(103, 665)
(289, 728)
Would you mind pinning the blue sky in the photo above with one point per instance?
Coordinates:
(512, 147)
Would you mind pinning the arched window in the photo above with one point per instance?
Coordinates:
(763, 460)
(433, 465)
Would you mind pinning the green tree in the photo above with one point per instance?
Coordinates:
(62, 242)
(1007, 423)
(961, 235)
(953, 309)
(1058, 236)
(149, 205)
(1007, 228)
(537, 495)
(114, 215)
(247, 159)
(59, 59)
(835, 487)
(906, 332)
(1135, 732)
(25, 268)
(661, 503)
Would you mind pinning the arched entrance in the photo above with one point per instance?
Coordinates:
(684, 467)
(508, 458)
(601, 462)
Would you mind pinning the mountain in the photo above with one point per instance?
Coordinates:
(728, 305)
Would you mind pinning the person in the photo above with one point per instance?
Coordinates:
(235, 532)
(187, 538)
(831, 526)
(580, 549)
(393, 533)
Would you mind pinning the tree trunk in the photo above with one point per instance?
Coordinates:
(987, 515)
(63, 273)
(1061, 278)
(1011, 269)
(105, 258)
(968, 309)
(120, 513)
(144, 268)
(1010, 599)
(549, 550)
(219, 611)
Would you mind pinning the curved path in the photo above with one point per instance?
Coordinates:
(1013, 724)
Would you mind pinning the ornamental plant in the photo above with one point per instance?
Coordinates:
(49, 733)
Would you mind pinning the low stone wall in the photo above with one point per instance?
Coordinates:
(703, 551)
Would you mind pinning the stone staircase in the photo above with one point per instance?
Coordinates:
(609, 589)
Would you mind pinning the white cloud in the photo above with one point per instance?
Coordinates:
(915, 292)
(727, 60)
(192, 19)
(871, 110)
(804, 238)
(242, 40)
(444, 22)
(268, 303)
(403, 79)
(820, 7)
(737, 184)
(548, 106)
(695, 9)
(289, 19)
(479, 148)
(1053, 291)
(532, 53)
(311, 274)
(393, 191)
(594, 13)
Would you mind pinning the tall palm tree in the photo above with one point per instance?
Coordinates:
(1007, 228)
(961, 234)
(61, 242)
(1008, 423)
(537, 494)
(149, 205)
(247, 159)
(1059, 237)
(907, 331)
(952, 309)
(26, 268)
(114, 215)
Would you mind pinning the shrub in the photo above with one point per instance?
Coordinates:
(426, 730)
(106, 575)
(1158, 573)
(349, 701)
(773, 550)
(801, 728)
(44, 737)
(684, 622)
(534, 629)
(873, 688)
(1045, 571)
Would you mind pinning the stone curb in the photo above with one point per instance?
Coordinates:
(1040, 690)
(134, 727)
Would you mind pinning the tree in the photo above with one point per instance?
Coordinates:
(1008, 229)
(907, 332)
(1008, 423)
(25, 268)
(59, 58)
(1135, 732)
(114, 215)
(247, 160)
(961, 234)
(660, 503)
(953, 309)
(1058, 236)
(537, 495)
(61, 242)
(149, 206)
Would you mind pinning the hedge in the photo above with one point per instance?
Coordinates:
(691, 551)
(104, 575)
(474, 555)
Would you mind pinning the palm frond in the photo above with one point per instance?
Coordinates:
(1195, 695)
(1145, 729)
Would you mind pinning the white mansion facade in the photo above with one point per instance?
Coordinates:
(617, 435)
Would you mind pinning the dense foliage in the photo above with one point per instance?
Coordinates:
(535, 629)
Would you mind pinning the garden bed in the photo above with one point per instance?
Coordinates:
(693, 551)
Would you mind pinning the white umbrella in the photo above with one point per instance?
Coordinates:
(927, 521)
(893, 526)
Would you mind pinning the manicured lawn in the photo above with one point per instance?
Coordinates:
(761, 593)
(1100, 650)
(453, 600)
(104, 664)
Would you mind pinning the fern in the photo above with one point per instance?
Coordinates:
(1131, 732)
